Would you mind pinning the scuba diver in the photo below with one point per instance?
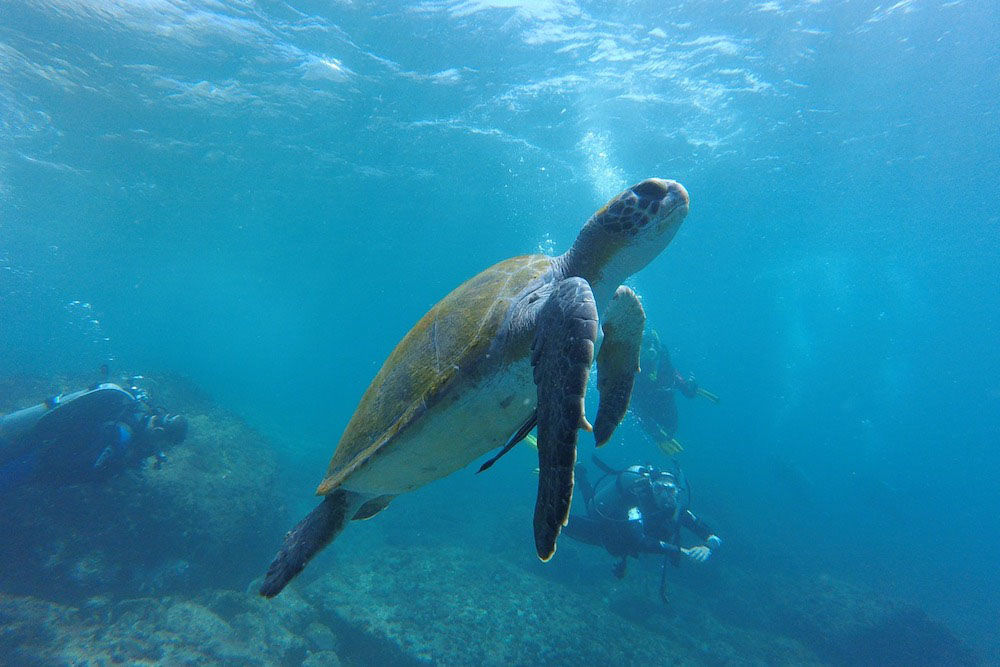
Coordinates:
(639, 510)
(87, 434)
(653, 402)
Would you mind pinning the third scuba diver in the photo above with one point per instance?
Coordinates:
(653, 402)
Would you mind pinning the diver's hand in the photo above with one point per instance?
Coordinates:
(713, 542)
(700, 553)
(103, 457)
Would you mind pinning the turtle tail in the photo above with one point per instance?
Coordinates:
(308, 538)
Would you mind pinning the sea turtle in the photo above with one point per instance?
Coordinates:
(508, 349)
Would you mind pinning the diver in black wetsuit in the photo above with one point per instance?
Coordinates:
(84, 435)
(638, 510)
(653, 399)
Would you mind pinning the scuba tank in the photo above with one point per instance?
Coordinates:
(57, 415)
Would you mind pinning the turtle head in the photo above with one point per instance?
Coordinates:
(628, 232)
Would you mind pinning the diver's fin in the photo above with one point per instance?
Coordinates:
(562, 353)
(618, 360)
(701, 391)
(521, 434)
(586, 530)
(670, 447)
(372, 507)
(308, 538)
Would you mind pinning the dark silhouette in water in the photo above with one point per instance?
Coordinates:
(791, 483)
(847, 625)
(877, 492)
(907, 637)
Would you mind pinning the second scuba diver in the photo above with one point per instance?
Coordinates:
(639, 510)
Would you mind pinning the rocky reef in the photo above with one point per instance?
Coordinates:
(157, 566)
(152, 530)
(848, 624)
(409, 607)
(211, 628)
(459, 606)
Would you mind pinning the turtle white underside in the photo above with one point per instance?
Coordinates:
(451, 434)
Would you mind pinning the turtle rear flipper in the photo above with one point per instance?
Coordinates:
(618, 360)
(372, 507)
(308, 538)
(562, 353)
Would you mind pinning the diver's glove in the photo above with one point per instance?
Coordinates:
(713, 542)
(699, 553)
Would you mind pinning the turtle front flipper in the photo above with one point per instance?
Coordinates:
(308, 538)
(561, 355)
(618, 360)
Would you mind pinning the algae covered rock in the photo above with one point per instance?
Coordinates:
(148, 630)
(206, 516)
(847, 623)
(451, 605)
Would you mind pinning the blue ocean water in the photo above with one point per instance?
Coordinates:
(264, 196)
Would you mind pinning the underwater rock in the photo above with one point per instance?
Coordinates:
(149, 531)
(455, 605)
(108, 556)
(320, 636)
(150, 630)
(849, 624)
(450, 605)
(321, 659)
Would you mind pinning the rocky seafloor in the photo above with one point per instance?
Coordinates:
(449, 606)
(153, 529)
(158, 567)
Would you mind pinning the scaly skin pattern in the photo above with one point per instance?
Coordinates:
(562, 355)
(618, 360)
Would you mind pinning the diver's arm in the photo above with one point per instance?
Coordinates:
(643, 542)
(687, 386)
(695, 525)
(700, 528)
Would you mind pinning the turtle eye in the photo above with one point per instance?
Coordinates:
(650, 189)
